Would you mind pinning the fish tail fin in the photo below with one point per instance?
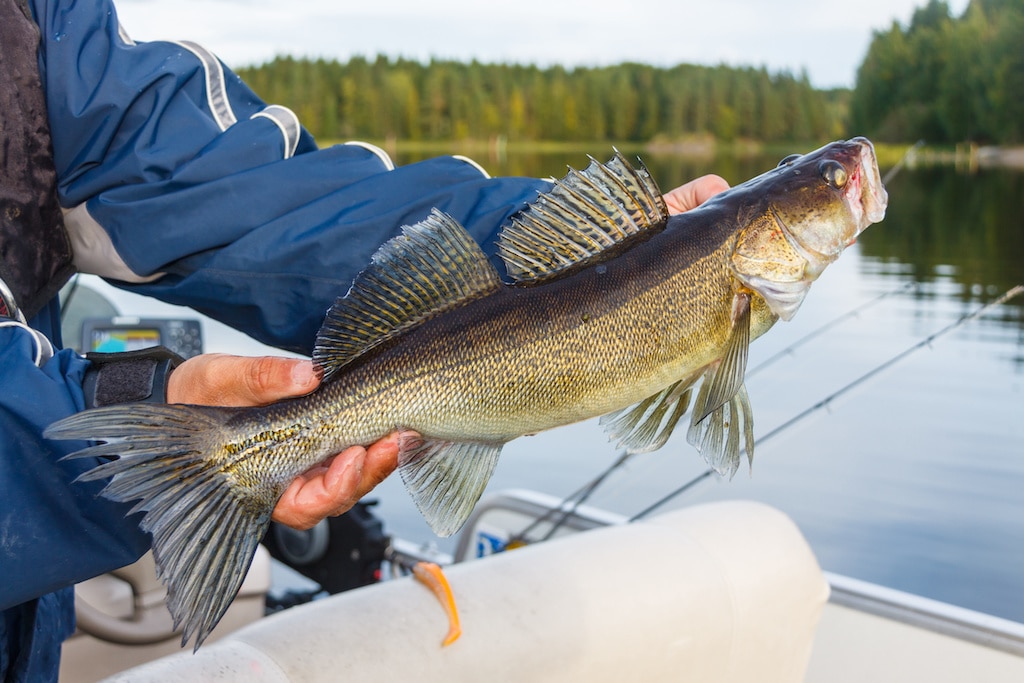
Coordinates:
(205, 526)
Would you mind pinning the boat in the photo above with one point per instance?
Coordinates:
(725, 591)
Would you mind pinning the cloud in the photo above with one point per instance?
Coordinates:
(829, 40)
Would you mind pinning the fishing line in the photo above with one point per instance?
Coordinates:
(576, 499)
(893, 172)
(682, 489)
(899, 164)
(827, 326)
(1011, 293)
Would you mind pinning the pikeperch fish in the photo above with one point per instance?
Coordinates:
(613, 309)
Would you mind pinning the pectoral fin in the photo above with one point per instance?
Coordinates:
(446, 478)
(721, 411)
(727, 378)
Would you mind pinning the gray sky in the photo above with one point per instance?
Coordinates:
(828, 39)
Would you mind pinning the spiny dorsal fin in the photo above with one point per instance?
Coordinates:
(433, 266)
(587, 213)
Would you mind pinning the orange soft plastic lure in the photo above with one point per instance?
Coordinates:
(430, 575)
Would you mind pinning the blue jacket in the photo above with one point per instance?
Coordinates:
(180, 183)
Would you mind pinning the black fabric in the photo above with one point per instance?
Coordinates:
(35, 253)
(129, 377)
(131, 380)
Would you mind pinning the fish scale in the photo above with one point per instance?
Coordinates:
(615, 309)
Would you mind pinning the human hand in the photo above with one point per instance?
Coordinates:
(694, 193)
(328, 489)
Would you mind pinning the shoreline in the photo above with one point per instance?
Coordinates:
(967, 156)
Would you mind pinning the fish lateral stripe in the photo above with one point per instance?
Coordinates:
(264, 439)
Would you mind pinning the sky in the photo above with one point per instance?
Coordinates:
(827, 39)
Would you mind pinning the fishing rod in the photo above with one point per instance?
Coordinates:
(569, 504)
(1010, 294)
(899, 164)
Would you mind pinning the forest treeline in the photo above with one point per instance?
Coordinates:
(943, 79)
(446, 100)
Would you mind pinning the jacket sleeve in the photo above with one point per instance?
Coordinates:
(182, 184)
(53, 532)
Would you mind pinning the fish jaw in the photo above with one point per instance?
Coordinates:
(816, 206)
(820, 235)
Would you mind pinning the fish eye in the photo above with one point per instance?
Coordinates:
(790, 159)
(833, 173)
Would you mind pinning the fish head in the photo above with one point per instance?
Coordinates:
(807, 211)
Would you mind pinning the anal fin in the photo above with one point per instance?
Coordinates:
(446, 478)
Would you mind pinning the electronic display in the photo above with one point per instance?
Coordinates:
(116, 335)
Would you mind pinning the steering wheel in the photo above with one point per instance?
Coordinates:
(148, 623)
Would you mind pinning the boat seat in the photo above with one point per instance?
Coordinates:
(725, 591)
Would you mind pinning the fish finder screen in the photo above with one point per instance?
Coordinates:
(120, 340)
(128, 333)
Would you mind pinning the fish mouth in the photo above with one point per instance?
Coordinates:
(872, 198)
(817, 219)
(865, 198)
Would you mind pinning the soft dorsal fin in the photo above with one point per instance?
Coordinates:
(433, 266)
(584, 215)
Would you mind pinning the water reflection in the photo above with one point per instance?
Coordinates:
(916, 479)
(947, 224)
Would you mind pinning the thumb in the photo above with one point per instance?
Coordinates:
(694, 193)
(219, 379)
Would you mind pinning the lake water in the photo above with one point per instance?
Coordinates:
(914, 479)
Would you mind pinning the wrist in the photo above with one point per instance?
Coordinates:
(131, 377)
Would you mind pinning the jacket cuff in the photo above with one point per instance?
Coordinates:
(130, 377)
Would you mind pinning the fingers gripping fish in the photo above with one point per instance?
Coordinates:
(614, 309)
